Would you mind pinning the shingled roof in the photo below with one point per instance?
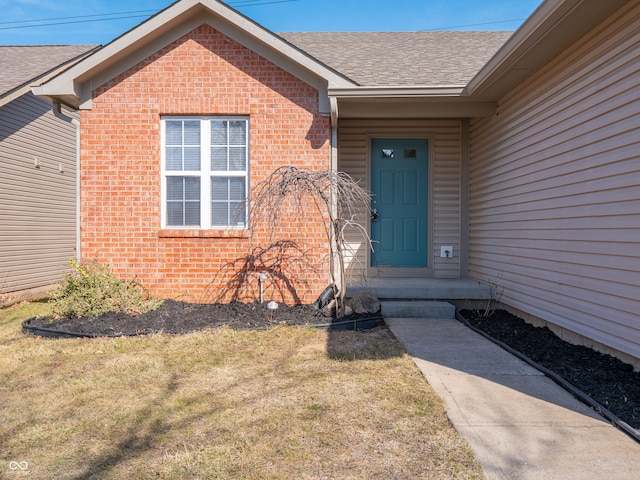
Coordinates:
(20, 65)
(402, 58)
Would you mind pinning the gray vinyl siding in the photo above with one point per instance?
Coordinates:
(37, 214)
(444, 170)
(555, 190)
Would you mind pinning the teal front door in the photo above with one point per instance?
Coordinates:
(399, 186)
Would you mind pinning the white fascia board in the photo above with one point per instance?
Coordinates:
(167, 26)
(553, 26)
(430, 101)
(522, 40)
(69, 83)
(239, 27)
(32, 86)
(397, 91)
(35, 85)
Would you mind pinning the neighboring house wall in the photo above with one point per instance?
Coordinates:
(37, 214)
(203, 74)
(554, 189)
(444, 182)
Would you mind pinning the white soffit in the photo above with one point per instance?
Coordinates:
(414, 107)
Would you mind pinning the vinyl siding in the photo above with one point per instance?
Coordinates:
(554, 190)
(444, 171)
(37, 214)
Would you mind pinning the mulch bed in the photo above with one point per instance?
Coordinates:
(607, 380)
(181, 317)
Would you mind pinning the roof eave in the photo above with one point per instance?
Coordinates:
(552, 28)
(33, 83)
(378, 92)
(170, 24)
(431, 101)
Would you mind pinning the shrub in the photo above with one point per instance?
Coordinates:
(92, 289)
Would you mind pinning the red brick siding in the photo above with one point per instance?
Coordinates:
(203, 73)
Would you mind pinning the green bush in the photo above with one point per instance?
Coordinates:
(92, 289)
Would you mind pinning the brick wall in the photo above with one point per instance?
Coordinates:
(203, 73)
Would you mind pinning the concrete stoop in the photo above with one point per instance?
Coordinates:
(417, 309)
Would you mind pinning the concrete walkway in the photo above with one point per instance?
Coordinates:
(520, 424)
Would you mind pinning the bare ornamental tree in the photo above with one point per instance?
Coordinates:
(338, 200)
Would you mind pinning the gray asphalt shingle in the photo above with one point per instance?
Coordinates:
(21, 64)
(402, 58)
(367, 58)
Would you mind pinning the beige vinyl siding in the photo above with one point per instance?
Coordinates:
(37, 214)
(555, 190)
(444, 171)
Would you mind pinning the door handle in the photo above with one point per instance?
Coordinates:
(374, 214)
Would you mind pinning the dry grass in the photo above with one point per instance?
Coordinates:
(287, 403)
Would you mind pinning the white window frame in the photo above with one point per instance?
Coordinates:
(205, 174)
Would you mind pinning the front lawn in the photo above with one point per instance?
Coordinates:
(290, 402)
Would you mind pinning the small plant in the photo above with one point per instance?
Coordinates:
(496, 289)
(92, 289)
(3, 289)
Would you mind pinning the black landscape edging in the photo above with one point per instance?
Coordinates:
(579, 394)
(54, 333)
(365, 323)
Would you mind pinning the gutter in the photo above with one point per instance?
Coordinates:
(57, 111)
(399, 91)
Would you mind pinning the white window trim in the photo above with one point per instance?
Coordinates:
(205, 174)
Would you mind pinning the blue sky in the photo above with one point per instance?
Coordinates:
(100, 21)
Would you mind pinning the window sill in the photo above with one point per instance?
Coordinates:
(194, 233)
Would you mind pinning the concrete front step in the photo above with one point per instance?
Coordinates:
(417, 309)
(422, 289)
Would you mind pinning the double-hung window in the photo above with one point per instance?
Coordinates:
(205, 172)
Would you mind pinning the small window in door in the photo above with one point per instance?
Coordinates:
(410, 153)
(387, 153)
